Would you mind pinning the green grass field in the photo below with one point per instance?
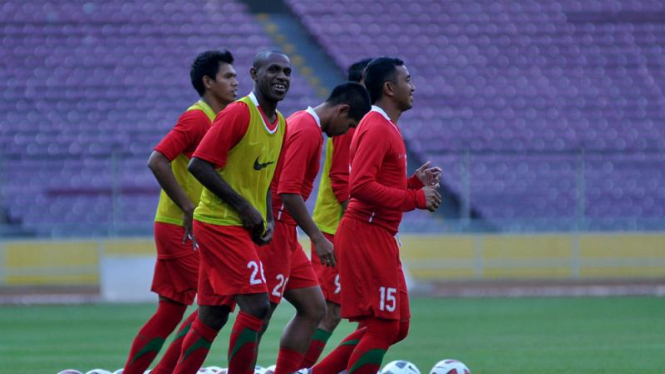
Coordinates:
(492, 336)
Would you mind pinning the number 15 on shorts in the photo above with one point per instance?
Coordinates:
(388, 300)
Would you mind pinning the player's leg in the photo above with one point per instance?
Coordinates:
(380, 298)
(244, 340)
(170, 358)
(368, 261)
(175, 280)
(151, 336)
(330, 286)
(323, 332)
(304, 293)
(337, 360)
(310, 309)
(368, 354)
(404, 308)
(229, 266)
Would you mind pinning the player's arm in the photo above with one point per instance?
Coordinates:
(206, 173)
(295, 204)
(270, 222)
(301, 148)
(339, 168)
(371, 149)
(161, 169)
(186, 133)
(228, 129)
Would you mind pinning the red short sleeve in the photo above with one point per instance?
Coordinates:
(339, 168)
(302, 144)
(185, 135)
(227, 130)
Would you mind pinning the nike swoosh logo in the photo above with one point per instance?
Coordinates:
(259, 166)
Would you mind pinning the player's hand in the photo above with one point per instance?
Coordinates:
(432, 197)
(325, 251)
(267, 235)
(251, 219)
(187, 219)
(429, 176)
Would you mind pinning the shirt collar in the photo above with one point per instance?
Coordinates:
(383, 112)
(253, 98)
(312, 112)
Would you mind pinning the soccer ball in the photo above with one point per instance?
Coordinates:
(270, 369)
(216, 369)
(70, 371)
(98, 371)
(400, 367)
(450, 367)
(119, 371)
(258, 369)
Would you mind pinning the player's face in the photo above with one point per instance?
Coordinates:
(274, 77)
(225, 85)
(341, 122)
(403, 88)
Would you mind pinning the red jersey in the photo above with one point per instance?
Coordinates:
(299, 163)
(380, 191)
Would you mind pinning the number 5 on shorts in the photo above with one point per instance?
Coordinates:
(388, 300)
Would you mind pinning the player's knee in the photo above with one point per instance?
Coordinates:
(403, 331)
(259, 308)
(383, 330)
(315, 310)
(333, 317)
(214, 317)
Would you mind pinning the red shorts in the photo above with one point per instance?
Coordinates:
(328, 276)
(286, 264)
(177, 267)
(370, 271)
(229, 264)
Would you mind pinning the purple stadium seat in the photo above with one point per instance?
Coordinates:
(523, 86)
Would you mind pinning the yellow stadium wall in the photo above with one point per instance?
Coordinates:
(428, 257)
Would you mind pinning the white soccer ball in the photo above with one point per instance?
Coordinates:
(98, 371)
(258, 369)
(449, 366)
(119, 371)
(216, 369)
(400, 367)
(70, 371)
(270, 369)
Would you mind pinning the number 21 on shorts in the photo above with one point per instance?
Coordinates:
(388, 299)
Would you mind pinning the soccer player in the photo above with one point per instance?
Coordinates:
(331, 202)
(289, 273)
(373, 290)
(235, 162)
(177, 267)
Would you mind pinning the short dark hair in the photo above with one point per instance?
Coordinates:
(261, 57)
(378, 72)
(356, 69)
(354, 95)
(207, 64)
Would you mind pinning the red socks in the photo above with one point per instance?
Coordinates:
(288, 361)
(195, 348)
(243, 343)
(337, 360)
(316, 347)
(368, 354)
(150, 338)
(170, 358)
